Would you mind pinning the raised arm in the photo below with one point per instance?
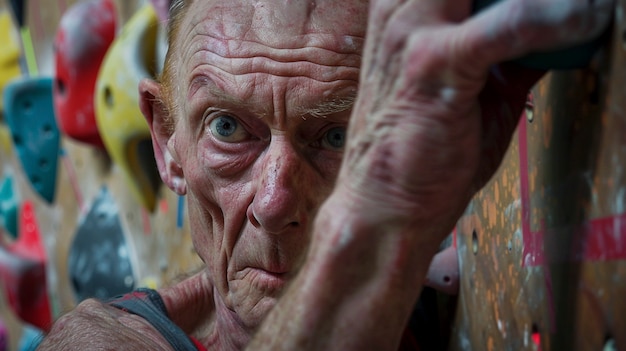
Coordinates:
(433, 119)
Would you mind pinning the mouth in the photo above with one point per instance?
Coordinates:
(267, 280)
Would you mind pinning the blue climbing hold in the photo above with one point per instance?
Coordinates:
(29, 112)
(8, 206)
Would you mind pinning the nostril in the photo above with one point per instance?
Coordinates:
(252, 218)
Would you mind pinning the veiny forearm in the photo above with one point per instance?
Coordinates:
(359, 284)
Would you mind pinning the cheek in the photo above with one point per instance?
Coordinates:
(210, 168)
(217, 207)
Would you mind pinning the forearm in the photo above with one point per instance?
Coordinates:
(94, 325)
(358, 286)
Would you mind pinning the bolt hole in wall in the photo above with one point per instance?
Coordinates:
(530, 111)
(474, 242)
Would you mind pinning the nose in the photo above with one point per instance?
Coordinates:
(279, 201)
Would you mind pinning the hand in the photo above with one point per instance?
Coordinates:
(434, 115)
(94, 325)
(436, 110)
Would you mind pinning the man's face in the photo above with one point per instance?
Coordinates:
(264, 101)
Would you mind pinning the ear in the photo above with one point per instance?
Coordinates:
(163, 139)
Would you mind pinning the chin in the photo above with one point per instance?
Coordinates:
(254, 315)
(253, 297)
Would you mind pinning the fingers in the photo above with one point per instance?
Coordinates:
(513, 28)
(391, 22)
(389, 12)
(504, 31)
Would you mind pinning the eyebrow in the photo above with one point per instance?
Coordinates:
(323, 109)
(208, 84)
(329, 107)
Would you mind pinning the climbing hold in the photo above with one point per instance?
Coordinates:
(31, 338)
(124, 131)
(25, 285)
(29, 243)
(23, 267)
(443, 274)
(85, 33)
(8, 206)
(99, 262)
(10, 53)
(30, 116)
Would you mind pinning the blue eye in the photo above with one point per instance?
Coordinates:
(225, 125)
(226, 128)
(335, 138)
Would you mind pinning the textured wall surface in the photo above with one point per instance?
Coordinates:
(543, 246)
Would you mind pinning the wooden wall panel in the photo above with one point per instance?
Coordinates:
(542, 247)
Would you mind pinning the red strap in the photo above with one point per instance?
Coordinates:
(199, 346)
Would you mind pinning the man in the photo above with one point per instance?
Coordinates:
(316, 213)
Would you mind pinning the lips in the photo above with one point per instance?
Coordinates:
(265, 279)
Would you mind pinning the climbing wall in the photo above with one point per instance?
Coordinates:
(100, 233)
(542, 248)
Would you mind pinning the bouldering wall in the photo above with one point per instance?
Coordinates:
(99, 235)
(541, 248)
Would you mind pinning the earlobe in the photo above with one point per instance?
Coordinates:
(175, 175)
(157, 115)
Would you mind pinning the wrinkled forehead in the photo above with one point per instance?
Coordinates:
(330, 24)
